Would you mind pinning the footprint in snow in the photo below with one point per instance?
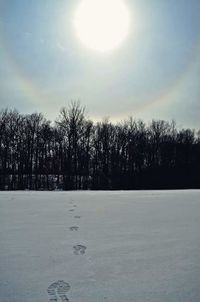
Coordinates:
(57, 291)
(74, 228)
(79, 249)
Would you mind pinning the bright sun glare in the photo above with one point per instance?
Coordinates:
(102, 25)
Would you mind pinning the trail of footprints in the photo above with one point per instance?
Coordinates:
(57, 290)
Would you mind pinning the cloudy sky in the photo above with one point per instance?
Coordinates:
(154, 73)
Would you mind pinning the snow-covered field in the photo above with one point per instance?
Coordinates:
(100, 246)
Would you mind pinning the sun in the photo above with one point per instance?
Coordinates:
(102, 25)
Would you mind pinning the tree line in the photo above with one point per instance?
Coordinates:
(74, 153)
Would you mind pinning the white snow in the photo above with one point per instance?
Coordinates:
(132, 246)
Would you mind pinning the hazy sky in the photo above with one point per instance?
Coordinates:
(155, 73)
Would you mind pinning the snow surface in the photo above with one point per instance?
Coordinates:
(107, 246)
